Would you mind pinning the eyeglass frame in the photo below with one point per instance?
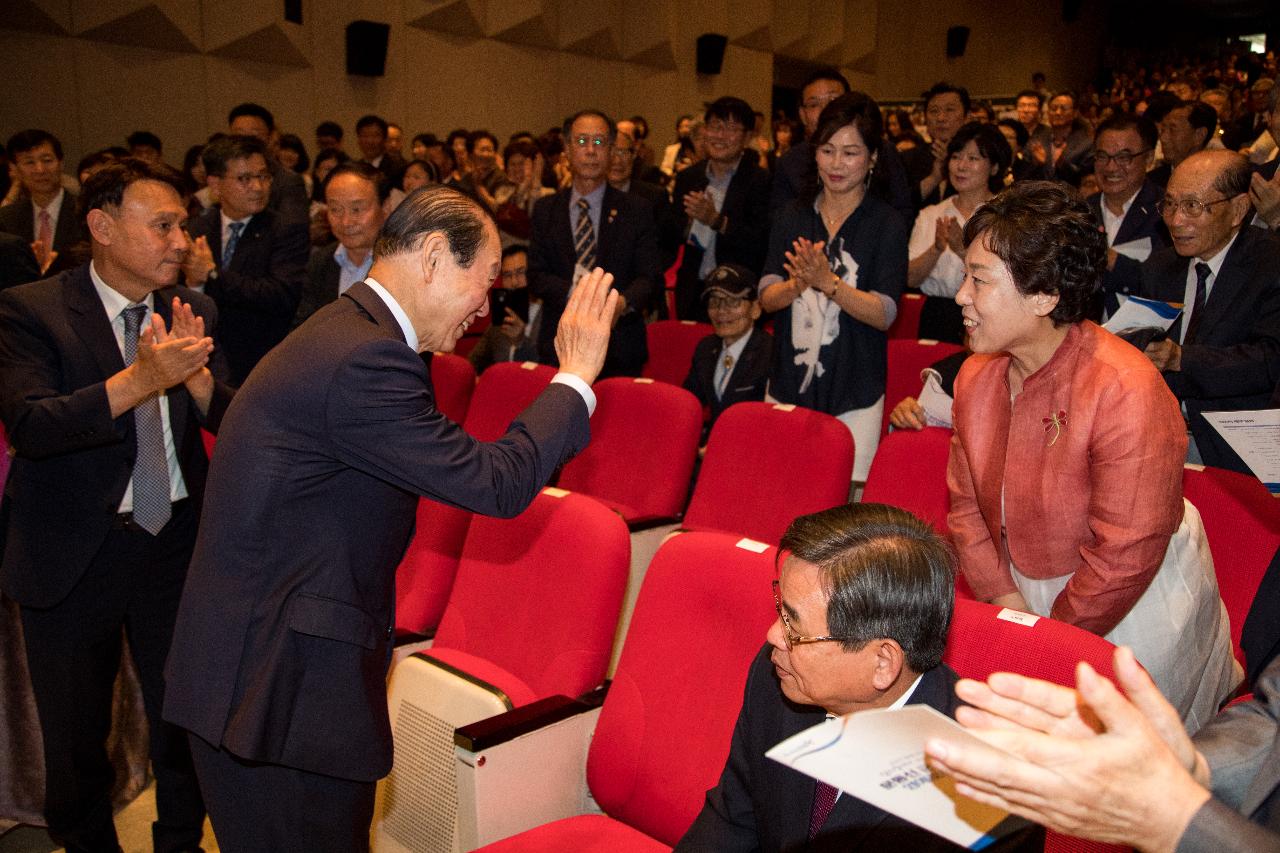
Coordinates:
(1123, 159)
(791, 638)
(247, 180)
(1172, 207)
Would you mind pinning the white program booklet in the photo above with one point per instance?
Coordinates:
(935, 401)
(878, 757)
(1136, 313)
(1139, 249)
(1255, 437)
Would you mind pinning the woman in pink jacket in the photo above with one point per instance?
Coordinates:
(1066, 465)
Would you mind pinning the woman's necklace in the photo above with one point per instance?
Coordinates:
(833, 221)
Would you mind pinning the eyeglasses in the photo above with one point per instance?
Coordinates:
(248, 179)
(718, 126)
(792, 638)
(590, 141)
(1192, 208)
(725, 303)
(1123, 159)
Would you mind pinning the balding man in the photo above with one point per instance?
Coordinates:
(1224, 353)
(280, 653)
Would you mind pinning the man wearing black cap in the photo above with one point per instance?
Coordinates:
(732, 365)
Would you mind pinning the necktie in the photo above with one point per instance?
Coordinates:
(824, 800)
(229, 250)
(726, 367)
(1197, 307)
(151, 508)
(45, 234)
(584, 236)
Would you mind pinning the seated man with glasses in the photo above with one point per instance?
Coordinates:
(1223, 354)
(244, 256)
(864, 596)
(722, 205)
(732, 365)
(1124, 149)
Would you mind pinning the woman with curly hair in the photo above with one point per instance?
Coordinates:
(1066, 464)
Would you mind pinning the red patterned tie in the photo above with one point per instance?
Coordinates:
(45, 234)
(824, 799)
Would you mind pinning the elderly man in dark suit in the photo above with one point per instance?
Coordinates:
(354, 197)
(1062, 150)
(284, 634)
(1224, 352)
(1126, 205)
(244, 256)
(46, 218)
(105, 383)
(591, 224)
(864, 601)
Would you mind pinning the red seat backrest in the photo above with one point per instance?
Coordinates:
(453, 379)
(671, 346)
(425, 575)
(504, 391)
(664, 731)
(907, 323)
(910, 471)
(644, 440)
(766, 464)
(1242, 524)
(539, 594)
(906, 359)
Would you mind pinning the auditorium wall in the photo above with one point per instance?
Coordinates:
(91, 71)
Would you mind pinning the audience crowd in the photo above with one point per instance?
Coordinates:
(1022, 227)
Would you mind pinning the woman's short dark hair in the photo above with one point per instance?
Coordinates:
(886, 573)
(433, 173)
(991, 145)
(1019, 132)
(293, 142)
(436, 208)
(851, 108)
(105, 188)
(474, 137)
(1047, 237)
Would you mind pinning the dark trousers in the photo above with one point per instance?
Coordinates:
(258, 807)
(73, 652)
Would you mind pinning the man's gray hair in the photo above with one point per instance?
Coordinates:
(429, 210)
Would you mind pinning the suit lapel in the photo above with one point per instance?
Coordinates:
(213, 233)
(609, 224)
(27, 224)
(364, 296)
(89, 319)
(562, 228)
(254, 231)
(1140, 213)
(1231, 279)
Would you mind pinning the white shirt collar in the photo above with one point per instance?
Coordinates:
(113, 300)
(406, 327)
(735, 349)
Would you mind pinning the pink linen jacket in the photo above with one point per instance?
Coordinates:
(1088, 459)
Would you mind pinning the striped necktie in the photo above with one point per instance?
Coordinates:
(151, 507)
(584, 236)
(229, 250)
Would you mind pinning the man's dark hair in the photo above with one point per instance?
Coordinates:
(104, 189)
(427, 139)
(590, 111)
(1121, 122)
(991, 144)
(827, 72)
(255, 110)
(220, 152)
(1019, 131)
(91, 162)
(381, 186)
(1047, 237)
(730, 108)
(329, 128)
(372, 121)
(640, 122)
(1234, 178)
(1201, 116)
(683, 118)
(942, 87)
(143, 137)
(515, 249)
(429, 210)
(1160, 104)
(476, 135)
(521, 147)
(1029, 93)
(456, 133)
(25, 140)
(886, 573)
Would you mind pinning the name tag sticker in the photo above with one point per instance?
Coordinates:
(552, 491)
(751, 545)
(643, 380)
(1008, 614)
(785, 407)
(529, 365)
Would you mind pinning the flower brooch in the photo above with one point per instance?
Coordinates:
(1055, 424)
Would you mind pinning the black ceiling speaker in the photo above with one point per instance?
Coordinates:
(957, 41)
(711, 52)
(367, 48)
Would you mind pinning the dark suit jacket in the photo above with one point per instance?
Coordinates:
(764, 806)
(1075, 160)
(1234, 363)
(321, 286)
(626, 246)
(17, 263)
(1142, 220)
(70, 237)
(670, 236)
(747, 380)
(73, 461)
(745, 239)
(258, 293)
(288, 198)
(284, 634)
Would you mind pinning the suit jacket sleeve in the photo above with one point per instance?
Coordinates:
(277, 289)
(746, 234)
(1248, 368)
(41, 419)
(1216, 828)
(1237, 743)
(383, 421)
(727, 822)
(316, 287)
